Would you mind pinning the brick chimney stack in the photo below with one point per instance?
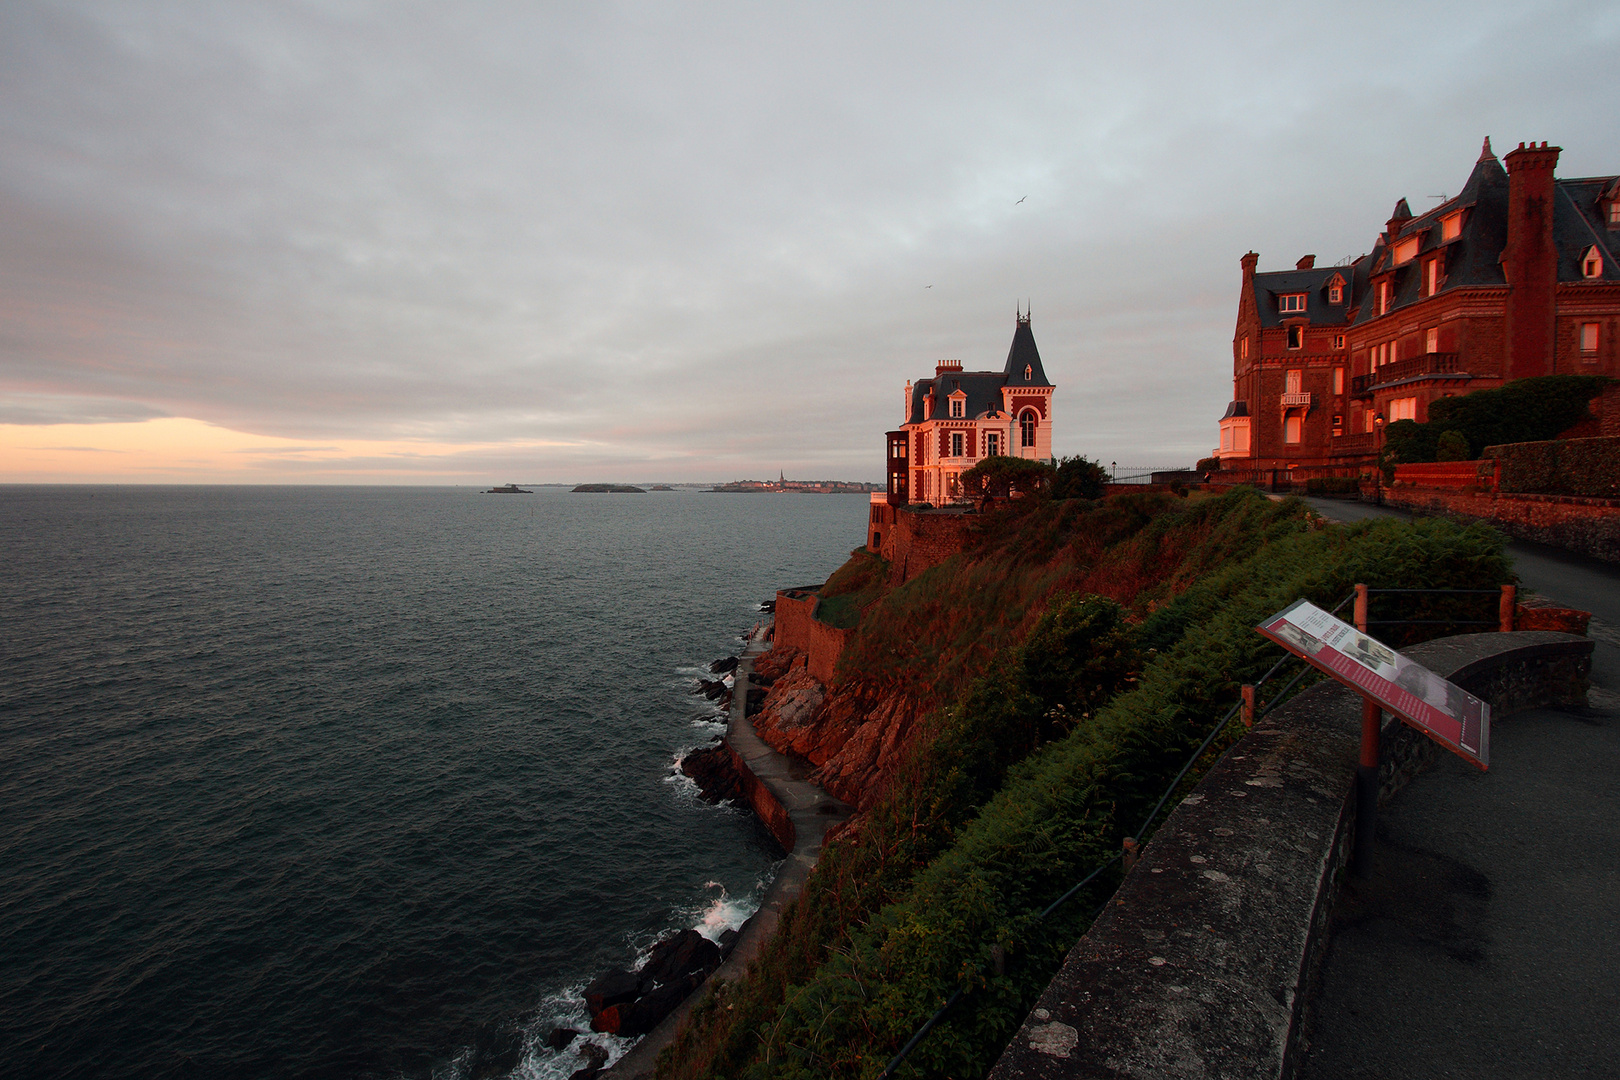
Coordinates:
(1306, 262)
(1530, 260)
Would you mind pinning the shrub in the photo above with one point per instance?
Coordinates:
(1208, 465)
(1000, 476)
(1526, 410)
(1451, 446)
(1079, 478)
(1586, 467)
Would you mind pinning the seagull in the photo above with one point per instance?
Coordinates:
(1020, 200)
(928, 286)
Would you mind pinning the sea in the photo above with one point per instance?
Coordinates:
(363, 782)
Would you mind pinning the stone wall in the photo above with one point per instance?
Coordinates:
(1589, 526)
(920, 540)
(1204, 962)
(798, 630)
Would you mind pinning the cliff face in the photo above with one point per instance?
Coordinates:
(855, 735)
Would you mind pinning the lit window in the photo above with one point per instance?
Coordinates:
(1292, 426)
(1431, 272)
(1614, 213)
(1338, 424)
(956, 407)
(1592, 263)
(1296, 337)
(1589, 337)
(1431, 340)
(1451, 226)
(1406, 250)
(1338, 380)
(1026, 428)
(956, 444)
(1383, 297)
(1291, 302)
(1338, 341)
(1403, 409)
(1243, 347)
(1335, 294)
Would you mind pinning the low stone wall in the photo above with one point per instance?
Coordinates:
(1447, 475)
(1589, 526)
(1203, 963)
(798, 629)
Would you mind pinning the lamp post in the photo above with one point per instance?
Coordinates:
(1378, 465)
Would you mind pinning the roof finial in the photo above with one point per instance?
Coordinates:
(1485, 151)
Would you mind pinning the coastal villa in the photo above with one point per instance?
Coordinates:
(1513, 277)
(957, 418)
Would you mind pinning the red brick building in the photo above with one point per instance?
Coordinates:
(1516, 276)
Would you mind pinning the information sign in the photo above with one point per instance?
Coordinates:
(1445, 712)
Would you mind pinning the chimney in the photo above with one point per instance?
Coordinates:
(1250, 261)
(1530, 261)
(1397, 220)
(1306, 262)
(946, 365)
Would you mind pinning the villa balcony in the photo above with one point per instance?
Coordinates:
(1299, 400)
(1413, 367)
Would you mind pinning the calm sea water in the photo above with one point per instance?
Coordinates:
(361, 782)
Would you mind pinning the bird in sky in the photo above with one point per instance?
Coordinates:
(928, 286)
(1020, 200)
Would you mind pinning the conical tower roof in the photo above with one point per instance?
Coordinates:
(1024, 356)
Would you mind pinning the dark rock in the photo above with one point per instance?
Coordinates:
(607, 1021)
(595, 1057)
(713, 772)
(725, 700)
(728, 941)
(611, 988)
(723, 665)
(677, 957)
(711, 688)
(649, 1010)
(756, 693)
(558, 1038)
(761, 681)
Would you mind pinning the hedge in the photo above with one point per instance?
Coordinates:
(1585, 467)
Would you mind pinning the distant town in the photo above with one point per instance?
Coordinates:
(782, 485)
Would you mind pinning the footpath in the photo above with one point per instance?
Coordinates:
(798, 813)
(1487, 941)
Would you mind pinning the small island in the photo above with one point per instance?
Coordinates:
(508, 489)
(612, 489)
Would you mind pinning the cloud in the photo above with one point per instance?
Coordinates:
(697, 239)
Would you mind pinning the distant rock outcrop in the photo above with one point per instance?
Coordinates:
(611, 489)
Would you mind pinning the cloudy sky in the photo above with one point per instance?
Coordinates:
(483, 241)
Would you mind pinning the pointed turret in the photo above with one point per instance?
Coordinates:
(1024, 359)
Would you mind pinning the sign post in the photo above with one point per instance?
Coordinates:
(1386, 681)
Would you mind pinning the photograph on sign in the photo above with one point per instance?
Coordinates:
(1447, 713)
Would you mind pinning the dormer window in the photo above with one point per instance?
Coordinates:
(1451, 226)
(1291, 302)
(1029, 372)
(1335, 294)
(1614, 214)
(1592, 263)
(957, 405)
(1407, 250)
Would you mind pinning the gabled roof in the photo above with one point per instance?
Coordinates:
(1579, 224)
(981, 388)
(1313, 283)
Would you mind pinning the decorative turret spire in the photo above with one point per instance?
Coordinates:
(1485, 151)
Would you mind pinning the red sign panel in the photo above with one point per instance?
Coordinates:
(1450, 716)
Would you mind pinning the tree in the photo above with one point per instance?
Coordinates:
(1079, 478)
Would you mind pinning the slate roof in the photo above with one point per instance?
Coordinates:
(1579, 223)
(983, 388)
(1314, 284)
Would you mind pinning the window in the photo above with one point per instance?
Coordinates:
(1243, 347)
(1451, 226)
(1338, 341)
(1292, 381)
(951, 485)
(1338, 380)
(1029, 372)
(1368, 423)
(1406, 250)
(992, 443)
(1614, 213)
(1291, 302)
(1431, 340)
(1026, 428)
(1431, 277)
(1296, 337)
(1335, 294)
(1383, 298)
(956, 444)
(1338, 424)
(956, 407)
(1589, 337)
(1404, 408)
(1292, 427)
(1592, 263)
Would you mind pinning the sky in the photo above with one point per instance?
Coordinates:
(480, 242)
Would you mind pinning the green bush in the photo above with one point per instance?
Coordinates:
(1526, 410)
(1451, 446)
(1585, 467)
(1079, 478)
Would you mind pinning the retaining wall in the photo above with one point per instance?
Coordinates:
(798, 629)
(920, 540)
(1589, 526)
(1203, 963)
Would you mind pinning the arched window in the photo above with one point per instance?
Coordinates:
(1026, 428)
(1029, 372)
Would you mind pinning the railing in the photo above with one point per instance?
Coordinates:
(1353, 444)
(1302, 398)
(1137, 474)
(1410, 368)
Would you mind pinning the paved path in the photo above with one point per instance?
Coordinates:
(812, 812)
(1487, 942)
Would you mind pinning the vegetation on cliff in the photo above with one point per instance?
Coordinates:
(1073, 657)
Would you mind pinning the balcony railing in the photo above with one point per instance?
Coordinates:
(1365, 443)
(1302, 398)
(1410, 368)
